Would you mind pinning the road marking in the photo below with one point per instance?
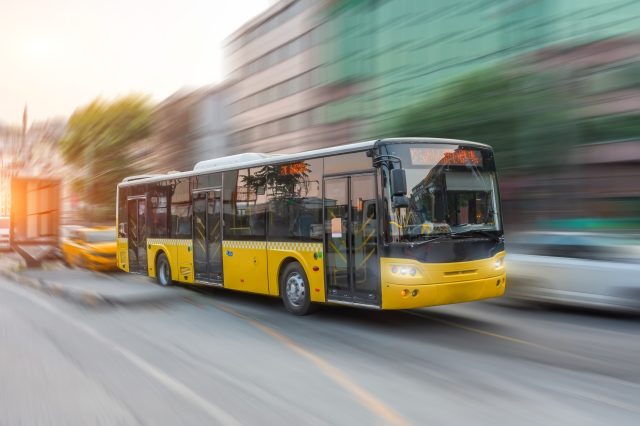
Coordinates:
(475, 330)
(597, 398)
(501, 336)
(216, 412)
(367, 399)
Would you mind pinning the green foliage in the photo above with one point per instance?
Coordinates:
(283, 182)
(614, 127)
(97, 140)
(525, 118)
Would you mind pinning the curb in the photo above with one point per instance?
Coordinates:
(86, 298)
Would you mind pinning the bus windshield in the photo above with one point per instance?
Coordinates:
(451, 190)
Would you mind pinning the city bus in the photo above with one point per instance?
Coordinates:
(393, 223)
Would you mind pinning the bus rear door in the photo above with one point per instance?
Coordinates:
(137, 234)
(207, 236)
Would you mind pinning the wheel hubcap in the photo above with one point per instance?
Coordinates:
(295, 289)
(163, 273)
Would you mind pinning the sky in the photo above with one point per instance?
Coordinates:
(57, 55)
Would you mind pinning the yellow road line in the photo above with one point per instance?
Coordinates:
(503, 337)
(598, 398)
(367, 399)
(473, 329)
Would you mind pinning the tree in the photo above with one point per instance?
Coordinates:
(525, 117)
(281, 179)
(97, 138)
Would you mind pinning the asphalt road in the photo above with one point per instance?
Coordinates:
(219, 357)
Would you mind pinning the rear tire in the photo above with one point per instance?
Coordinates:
(294, 289)
(163, 270)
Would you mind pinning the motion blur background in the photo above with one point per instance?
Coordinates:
(552, 85)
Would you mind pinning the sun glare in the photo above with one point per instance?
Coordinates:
(40, 48)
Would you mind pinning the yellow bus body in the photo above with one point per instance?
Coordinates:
(254, 267)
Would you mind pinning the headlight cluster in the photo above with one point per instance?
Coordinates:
(499, 263)
(404, 270)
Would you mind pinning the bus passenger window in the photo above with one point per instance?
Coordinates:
(181, 221)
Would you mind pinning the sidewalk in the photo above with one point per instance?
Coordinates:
(11, 262)
(89, 288)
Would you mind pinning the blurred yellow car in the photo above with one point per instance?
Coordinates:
(91, 248)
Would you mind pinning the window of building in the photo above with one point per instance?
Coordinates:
(298, 122)
(316, 117)
(271, 129)
(270, 24)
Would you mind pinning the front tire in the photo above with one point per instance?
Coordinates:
(163, 271)
(294, 289)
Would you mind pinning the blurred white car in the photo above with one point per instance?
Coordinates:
(579, 269)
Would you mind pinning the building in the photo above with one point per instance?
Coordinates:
(310, 74)
(276, 91)
(405, 51)
(186, 128)
(30, 150)
(306, 74)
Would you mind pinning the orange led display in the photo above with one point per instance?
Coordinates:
(445, 157)
(294, 169)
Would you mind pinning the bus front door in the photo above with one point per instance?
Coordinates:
(207, 236)
(351, 243)
(137, 234)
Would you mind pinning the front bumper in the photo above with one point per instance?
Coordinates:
(408, 283)
(397, 296)
(101, 263)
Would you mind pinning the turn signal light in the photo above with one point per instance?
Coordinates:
(404, 293)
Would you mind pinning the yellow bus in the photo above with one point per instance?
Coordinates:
(388, 224)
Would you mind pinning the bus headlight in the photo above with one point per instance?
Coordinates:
(404, 270)
(499, 263)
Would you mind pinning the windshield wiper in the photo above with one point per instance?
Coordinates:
(482, 232)
(424, 238)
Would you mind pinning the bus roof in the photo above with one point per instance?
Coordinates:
(246, 160)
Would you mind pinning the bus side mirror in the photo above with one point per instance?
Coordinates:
(398, 182)
(400, 201)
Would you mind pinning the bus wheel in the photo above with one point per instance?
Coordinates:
(295, 290)
(163, 270)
